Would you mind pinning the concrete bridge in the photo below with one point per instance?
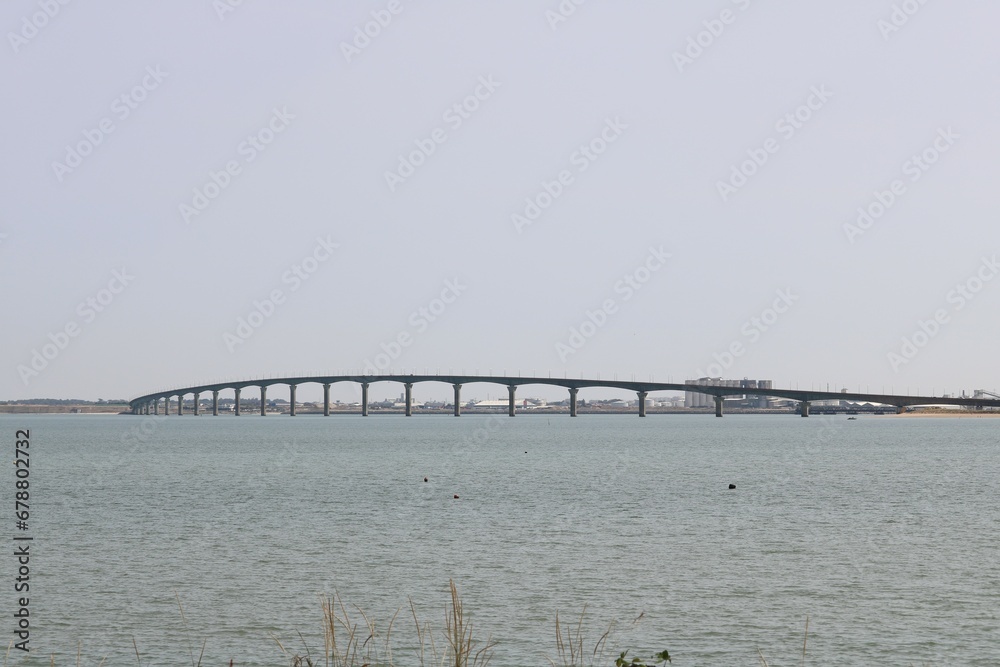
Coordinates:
(149, 404)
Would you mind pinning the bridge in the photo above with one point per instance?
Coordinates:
(149, 404)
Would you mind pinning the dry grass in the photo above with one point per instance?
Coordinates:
(460, 640)
(569, 650)
(348, 642)
(352, 638)
(805, 641)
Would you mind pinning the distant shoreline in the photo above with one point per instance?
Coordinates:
(18, 409)
(947, 413)
(252, 412)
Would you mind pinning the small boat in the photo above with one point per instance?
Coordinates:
(851, 418)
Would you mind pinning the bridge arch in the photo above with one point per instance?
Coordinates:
(141, 404)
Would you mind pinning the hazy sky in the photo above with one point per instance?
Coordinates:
(675, 170)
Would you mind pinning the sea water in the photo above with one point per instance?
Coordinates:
(169, 536)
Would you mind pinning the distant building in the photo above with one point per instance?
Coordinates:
(492, 404)
(694, 399)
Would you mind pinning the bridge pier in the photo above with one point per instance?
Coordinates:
(263, 400)
(150, 404)
(364, 399)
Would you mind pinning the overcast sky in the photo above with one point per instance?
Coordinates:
(651, 175)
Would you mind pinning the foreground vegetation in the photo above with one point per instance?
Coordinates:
(350, 643)
(351, 638)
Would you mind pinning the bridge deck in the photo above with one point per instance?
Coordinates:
(804, 396)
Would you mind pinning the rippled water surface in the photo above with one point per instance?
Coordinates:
(882, 531)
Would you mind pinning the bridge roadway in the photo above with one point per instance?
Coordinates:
(150, 402)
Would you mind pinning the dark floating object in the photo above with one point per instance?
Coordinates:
(425, 479)
(456, 496)
(732, 486)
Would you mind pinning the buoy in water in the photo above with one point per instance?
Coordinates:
(456, 496)
(732, 486)
(425, 479)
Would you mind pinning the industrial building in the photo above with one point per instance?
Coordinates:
(694, 399)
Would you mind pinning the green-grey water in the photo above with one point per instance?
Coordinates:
(882, 531)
